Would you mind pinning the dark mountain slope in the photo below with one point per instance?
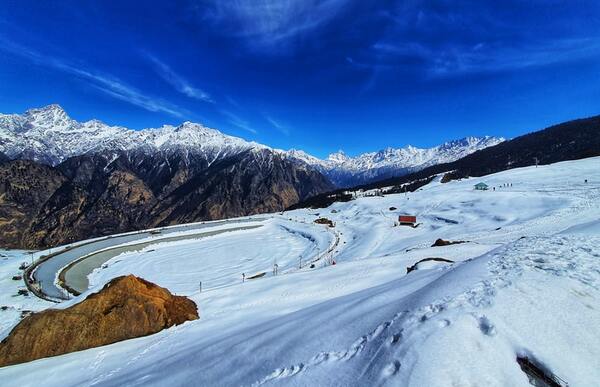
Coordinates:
(262, 181)
(24, 186)
(94, 195)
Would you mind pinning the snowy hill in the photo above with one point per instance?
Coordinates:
(345, 171)
(525, 285)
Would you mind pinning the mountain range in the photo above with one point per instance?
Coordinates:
(345, 171)
(49, 136)
(62, 180)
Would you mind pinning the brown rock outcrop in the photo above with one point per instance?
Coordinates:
(325, 221)
(441, 242)
(125, 308)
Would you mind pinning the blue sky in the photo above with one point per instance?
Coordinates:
(314, 75)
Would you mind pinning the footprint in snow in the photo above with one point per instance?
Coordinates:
(395, 338)
(391, 369)
(486, 326)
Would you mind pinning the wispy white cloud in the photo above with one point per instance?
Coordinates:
(107, 84)
(238, 122)
(455, 59)
(278, 125)
(175, 80)
(483, 58)
(232, 101)
(266, 24)
(440, 40)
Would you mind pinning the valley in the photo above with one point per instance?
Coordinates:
(529, 252)
(62, 180)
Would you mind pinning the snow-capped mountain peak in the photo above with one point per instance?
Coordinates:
(49, 117)
(301, 155)
(192, 127)
(52, 110)
(344, 170)
(50, 136)
(338, 157)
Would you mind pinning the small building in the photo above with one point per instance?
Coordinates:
(407, 220)
(481, 187)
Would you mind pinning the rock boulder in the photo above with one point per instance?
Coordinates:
(125, 308)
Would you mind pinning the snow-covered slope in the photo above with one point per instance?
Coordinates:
(345, 171)
(526, 283)
(50, 136)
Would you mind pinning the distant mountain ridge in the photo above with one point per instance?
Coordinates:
(571, 140)
(345, 171)
(48, 135)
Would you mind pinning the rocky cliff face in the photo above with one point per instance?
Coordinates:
(125, 308)
(94, 195)
(24, 187)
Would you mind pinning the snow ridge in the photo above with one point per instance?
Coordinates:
(50, 136)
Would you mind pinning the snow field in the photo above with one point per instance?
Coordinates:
(219, 260)
(10, 260)
(526, 282)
